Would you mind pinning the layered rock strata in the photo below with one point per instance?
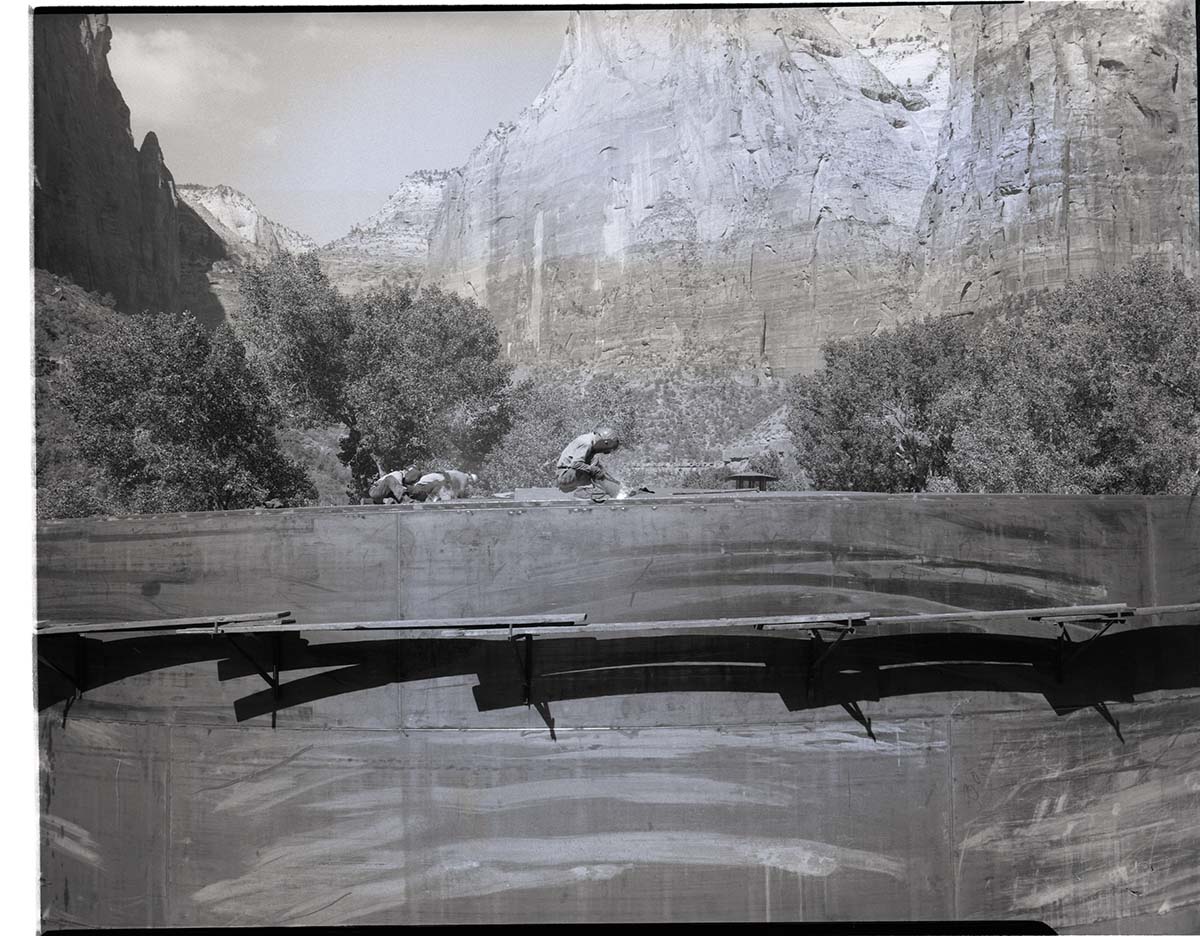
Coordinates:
(1070, 147)
(391, 246)
(732, 185)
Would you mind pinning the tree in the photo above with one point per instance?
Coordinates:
(295, 326)
(169, 417)
(1098, 390)
(1095, 390)
(424, 381)
(411, 376)
(870, 421)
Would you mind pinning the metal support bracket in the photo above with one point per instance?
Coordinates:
(820, 652)
(525, 666)
(77, 679)
(1062, 656)
(272, 678)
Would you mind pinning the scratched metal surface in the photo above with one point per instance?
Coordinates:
(651, 559)
(690, 778)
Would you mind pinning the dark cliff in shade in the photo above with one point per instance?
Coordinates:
(105, 213)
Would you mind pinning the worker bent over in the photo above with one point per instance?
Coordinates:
(577, 468)
(392, 486)
(442, 485)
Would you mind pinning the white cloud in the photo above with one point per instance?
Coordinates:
(169, 76)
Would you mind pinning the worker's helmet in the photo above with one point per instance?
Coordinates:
(605, 434)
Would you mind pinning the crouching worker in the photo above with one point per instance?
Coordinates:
(442, 486)
(577, 468)
(393, 486)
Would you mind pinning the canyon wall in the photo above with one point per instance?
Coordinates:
(235, 217)
(739, 186)
(1070, 148)
(105, 212)
(391, 246)
(732, 185)
(109, 216)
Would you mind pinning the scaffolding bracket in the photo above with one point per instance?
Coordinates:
(1068, 651)
(77, 677)
(525, 667)
(272, 678)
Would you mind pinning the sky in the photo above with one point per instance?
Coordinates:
(318, 116)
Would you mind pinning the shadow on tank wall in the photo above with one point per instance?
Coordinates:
(542, 671)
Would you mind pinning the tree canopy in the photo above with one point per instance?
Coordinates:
(424, 378)
(167, 416)
(295, 326)
(1095, 390)
(412, 376)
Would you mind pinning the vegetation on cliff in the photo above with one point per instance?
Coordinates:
(1096, 390)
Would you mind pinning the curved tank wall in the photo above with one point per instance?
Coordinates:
(941, 773)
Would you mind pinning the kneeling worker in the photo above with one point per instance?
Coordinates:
(393, 485)
(442, 485)
(576, 468)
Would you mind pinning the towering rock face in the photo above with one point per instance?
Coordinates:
(727, 185)
(393, 244)
(911, 46)
(1069, 148)
(239, 222)
(742, 185)
(105, 213)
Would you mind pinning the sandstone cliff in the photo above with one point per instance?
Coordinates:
(733, 185)
(1069, 148)
(105, 212)
(391, 246)
(237, 220)
(741, 185)
(911, 46)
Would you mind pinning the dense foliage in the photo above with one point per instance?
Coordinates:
(1096, 390)
(166, 416)
(295, 326)
(425, 380)
(412, 377)
(548, 410)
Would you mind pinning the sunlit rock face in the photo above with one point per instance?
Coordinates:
(391, 246)
(234, 215)
(1069, 148)
(721, 185)
(911, 46)
(105, 212)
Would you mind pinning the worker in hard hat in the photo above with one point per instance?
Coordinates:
(577, 467)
